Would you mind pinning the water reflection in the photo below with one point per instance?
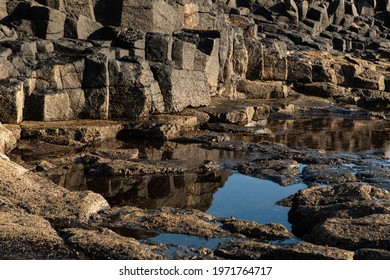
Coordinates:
(333, 134)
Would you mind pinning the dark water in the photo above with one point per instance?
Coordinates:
(329, 134)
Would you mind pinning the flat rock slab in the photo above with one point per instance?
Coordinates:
(162, 220)
(315, 175)
(104, 244)
(283, 172)
(372, 231)
(161, 127)
(255, 230)
(43, 198)
(313, 206)
(252, 250)
(85, 131)
(27, 236)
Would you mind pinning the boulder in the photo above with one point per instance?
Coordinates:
(41, 197)
(255, 230)
(83, 28)
(150, 16)
(252, 250)
(166, 219)
(275, 62)
(255, 59)
(28, 236)
(104, 244)
(7, 140)
(181, 88)
(370, 79)
(325, 90)
(263, 90)
(96, 87)
(55, 105)
(299, 69)
(315, 205)
(371, 231)
(372, 254)
(183, 54)
(133, 90)
(11, 102)
(50, 23)
(3, 9)
(158, 47)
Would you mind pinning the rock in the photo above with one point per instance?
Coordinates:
(134, 92)
(27, 236)
(275, 62)
(371, 231)
(167, 220)
(96, 87)
(158, 47)
(255, 59)
(85, 131)
(181, 88)
(11, 102)
(284, 172)
(370, 79)
(161, 127)
(50, 23)
(3, 9)
(41, 197)
(321, 89)
(150, 16)
(183, 54)
(104, 244)
(7, 140)
(83, 28)
(255, 230)
(116, 153)
(299, 69)
(263, 90)
(317, 204)
(252, 250)
(372, 254)
(315, 175)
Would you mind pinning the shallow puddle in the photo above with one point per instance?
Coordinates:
(252, 199)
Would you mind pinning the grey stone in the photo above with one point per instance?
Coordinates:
(11, 102)
(7, 140)
(133, 90)
(263, 90)
(372, 231)
(83, 28)
(299, 69)
(158, 47)
(252, 250)
(322, 89)
(96, 87)
(50, 23)
(181, 88)
(183, 54)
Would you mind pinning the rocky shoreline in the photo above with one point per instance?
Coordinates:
(165, 105)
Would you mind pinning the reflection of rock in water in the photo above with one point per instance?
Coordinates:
(189, 191)
(387, 149)
(332, 134)
(70, 176)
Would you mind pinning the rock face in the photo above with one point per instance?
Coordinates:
(347, 216)
(7, 140)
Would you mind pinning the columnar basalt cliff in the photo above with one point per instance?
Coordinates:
(74, 73)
